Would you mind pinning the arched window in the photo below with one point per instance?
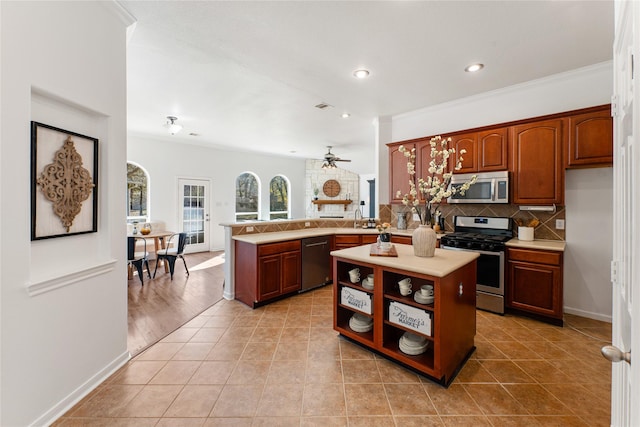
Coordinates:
(279, 198)
(247, 197)
(137, 193)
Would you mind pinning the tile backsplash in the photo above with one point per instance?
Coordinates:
(546, 230)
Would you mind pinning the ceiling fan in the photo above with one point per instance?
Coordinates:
(330, 159)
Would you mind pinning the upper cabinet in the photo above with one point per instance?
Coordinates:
(492, 150)
(538, 171)
(536, 151)
(590, 139)
(469, 143)
(486, 151)
(398, 175)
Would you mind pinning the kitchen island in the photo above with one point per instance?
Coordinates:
(447, 322)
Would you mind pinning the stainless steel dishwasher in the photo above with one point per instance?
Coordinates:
(316, 262)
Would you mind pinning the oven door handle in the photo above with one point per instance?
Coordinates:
(472, 250)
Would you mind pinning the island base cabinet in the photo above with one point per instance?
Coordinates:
(447, 324)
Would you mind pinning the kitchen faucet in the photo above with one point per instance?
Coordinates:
(356, 213)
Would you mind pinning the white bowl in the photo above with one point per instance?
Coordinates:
(366, 284)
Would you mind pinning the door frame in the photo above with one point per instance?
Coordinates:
(206, 246)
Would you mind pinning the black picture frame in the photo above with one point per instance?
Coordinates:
(46, 141)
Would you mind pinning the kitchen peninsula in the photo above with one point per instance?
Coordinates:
(446, 322)
(246, 243)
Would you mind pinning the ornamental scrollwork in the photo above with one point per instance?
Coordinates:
(65, 183)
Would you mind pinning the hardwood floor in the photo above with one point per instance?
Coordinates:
(161, 306)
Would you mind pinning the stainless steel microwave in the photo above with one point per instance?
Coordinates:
(490, 187)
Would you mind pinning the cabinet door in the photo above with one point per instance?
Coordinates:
(492, 150)
(538, 172)
(366, 239)
(269, 272)
(535, 288)
(291, 265)
(466, 142)
(398, 174)
(405, 240)
(590, 140)
(423, 150)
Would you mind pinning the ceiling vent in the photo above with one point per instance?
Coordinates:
(323, 105)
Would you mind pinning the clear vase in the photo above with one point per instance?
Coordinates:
(424, 241)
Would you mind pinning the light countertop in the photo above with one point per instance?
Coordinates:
(281, 236)
(548, 245)
(441, 264)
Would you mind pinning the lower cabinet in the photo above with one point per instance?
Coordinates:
(405, 240)
(446, 324)
(534, 283)
(343, 241)
(267, 271)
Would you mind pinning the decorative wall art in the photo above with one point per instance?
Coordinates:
(64, 182)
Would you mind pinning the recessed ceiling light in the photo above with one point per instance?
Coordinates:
(474, 67)
(346, 115)
(361, 73)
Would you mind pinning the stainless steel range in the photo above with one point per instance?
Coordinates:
(486, 236)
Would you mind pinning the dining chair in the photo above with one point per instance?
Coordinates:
(138, 259)
(171, 253)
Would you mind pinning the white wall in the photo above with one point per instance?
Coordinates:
(166, 162)
(584, 294)
(63, 64)
(587, 260)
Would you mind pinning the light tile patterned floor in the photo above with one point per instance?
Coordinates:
(284, 365)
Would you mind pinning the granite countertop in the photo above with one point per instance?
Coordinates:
(441, 264)
(281, 236)
(549, 245)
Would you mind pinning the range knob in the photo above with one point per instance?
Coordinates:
(469, 245)
(484, 246)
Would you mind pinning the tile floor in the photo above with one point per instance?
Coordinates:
(284, 365)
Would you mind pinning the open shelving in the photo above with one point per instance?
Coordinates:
(453, 311)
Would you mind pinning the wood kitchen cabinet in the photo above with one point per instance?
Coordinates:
(486, 151)
(469, 143)
(590, 139)
(398, 175)
(538, 171)
(534, 283)
(492, 150)
(267, 271)
(404, 240)
(343, 241)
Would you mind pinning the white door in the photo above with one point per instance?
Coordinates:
(625, 393)
(194, 213)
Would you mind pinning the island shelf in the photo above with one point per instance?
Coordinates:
(448, 324)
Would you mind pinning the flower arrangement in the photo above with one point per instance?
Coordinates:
(435, 186)
(382, 228)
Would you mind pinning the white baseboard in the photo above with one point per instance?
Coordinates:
(588, 314)
(79, 393)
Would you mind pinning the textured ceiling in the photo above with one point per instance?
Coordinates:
(246, 75)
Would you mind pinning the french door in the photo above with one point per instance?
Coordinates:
(194, 213)
(625, 378)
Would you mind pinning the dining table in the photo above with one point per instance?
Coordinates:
(159, 243)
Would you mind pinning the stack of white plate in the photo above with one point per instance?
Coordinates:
(417, 296)
(413, 344)
(360, 323)
(366, 284)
